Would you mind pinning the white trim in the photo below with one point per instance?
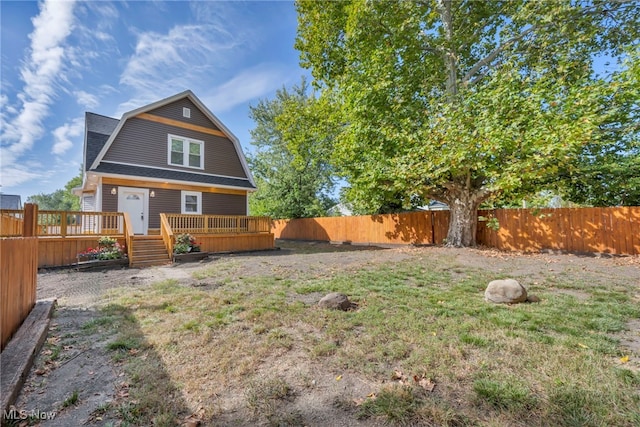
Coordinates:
(173, 181)
(186, 94)
(165, 169)
(186, 143)
(183, 194)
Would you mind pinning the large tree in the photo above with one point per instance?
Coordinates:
(60, 200)
(290, 165)
(461, 101)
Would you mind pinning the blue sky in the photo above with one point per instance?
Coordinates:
(62, 58)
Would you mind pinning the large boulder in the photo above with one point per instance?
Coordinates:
(507, 291)
(335, 301)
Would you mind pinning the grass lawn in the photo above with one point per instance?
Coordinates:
(421, 348)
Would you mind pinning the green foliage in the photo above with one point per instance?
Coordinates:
(108, 248)
(465, 101)
(59, 200)
(290, 164)
(185, 243)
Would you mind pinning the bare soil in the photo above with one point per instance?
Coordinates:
(75, 361)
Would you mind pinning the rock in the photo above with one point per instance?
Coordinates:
(335, 301)
(506, 291)
(532, 298)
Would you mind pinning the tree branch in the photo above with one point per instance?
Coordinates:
(493, 54)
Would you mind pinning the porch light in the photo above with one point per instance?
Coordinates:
(114, 191)
(152, 194)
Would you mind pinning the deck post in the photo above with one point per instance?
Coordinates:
(30, 225)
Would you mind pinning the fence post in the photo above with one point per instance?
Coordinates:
(63, 224)
(30, 225)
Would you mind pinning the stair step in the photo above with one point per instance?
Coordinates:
(149, 251)
(150, 263)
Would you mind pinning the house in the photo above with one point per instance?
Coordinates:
(10, 201)
(173, 156)
(434, 205)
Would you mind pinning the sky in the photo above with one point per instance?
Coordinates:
(60, 59)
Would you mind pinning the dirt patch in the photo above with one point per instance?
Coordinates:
(76, 376)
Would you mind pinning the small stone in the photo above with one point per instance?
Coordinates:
(506, 291)
(335, 301)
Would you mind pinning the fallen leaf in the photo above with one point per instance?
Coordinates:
(339, 377)
(41, 371)
(397, 375)
(426, 383)
(624, 359)
(582, 345)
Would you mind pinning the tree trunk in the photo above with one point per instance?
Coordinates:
(463, 223)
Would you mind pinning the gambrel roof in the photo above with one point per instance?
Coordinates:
(102, 131)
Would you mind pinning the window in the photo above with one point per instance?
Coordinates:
(191, 202)
(186, 112)
(186, 152)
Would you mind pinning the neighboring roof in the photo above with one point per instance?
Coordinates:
(340, 209)
(98, 128)
(186, 94)
(116, 168)
(434, 205)
(10, 201)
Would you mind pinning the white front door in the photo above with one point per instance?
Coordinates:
(134, 201)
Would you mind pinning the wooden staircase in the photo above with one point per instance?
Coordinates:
(148, 251)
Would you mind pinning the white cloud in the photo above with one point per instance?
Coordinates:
(14, 175)
(39, 73)
(249, 84)
(64, 134)
(165, 64)
(86, 99)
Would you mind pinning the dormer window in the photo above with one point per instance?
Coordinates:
(186, 152)
(186, 112)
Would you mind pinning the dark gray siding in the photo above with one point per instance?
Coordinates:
(145, 143)
(169, 201)
(109, 201)
(166, 201)
(223, 204)
(174, 111)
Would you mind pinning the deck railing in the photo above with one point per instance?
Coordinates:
(167, 233)
(64, 223)
(218, 224)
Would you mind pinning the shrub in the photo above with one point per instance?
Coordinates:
(186, 243)
(108, 248)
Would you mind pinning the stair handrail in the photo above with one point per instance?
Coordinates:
(167, 234)
(127, 229)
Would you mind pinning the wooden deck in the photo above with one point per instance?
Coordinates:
(62, 235)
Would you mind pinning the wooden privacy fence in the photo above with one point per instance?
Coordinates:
(18, 278)
(405, 228)
(602, 230)
(606, 230)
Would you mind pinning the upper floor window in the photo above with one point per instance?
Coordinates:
(186, 112)
(186, 152)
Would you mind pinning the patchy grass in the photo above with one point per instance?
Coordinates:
(71, 400)
(550, 363)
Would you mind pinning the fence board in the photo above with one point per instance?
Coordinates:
(606, 230)
(18, 278)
